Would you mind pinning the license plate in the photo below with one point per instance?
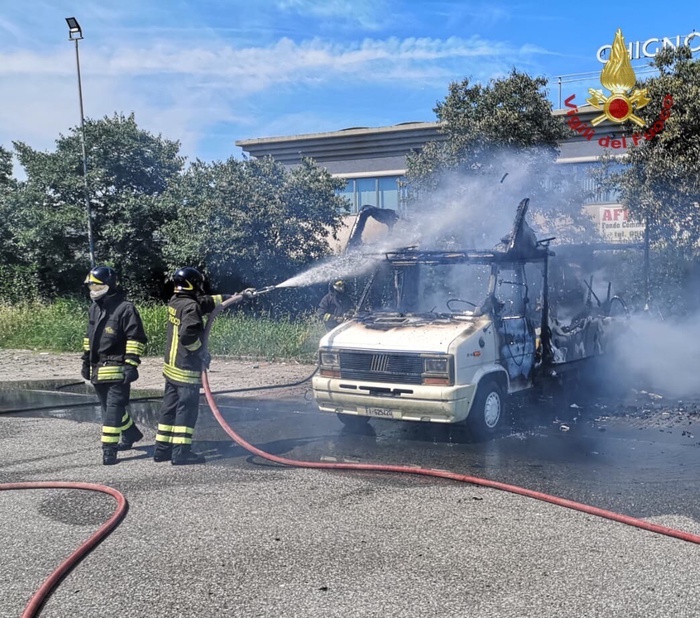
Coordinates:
(380, 412)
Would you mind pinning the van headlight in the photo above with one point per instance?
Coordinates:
(329, 363)
(437, 370)
(436, 365)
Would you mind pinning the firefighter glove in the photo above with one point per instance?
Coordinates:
(205, 358)
(85, 371)
(131, 373)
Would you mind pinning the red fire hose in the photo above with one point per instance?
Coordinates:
(591, 510)
(97, 537)
(40, 596)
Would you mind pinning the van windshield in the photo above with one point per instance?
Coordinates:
(428, 288)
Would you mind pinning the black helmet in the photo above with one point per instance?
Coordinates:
(188, 279)
(101, 280)
(336, 286)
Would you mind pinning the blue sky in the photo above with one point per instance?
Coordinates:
(210, 72)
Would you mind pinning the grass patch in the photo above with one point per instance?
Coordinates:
(60, 327)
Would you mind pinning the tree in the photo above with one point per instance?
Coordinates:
(128, 170)
(661, 177)
(16, 279)
(5, 168)
(659, 181)
(252, 223)
(501, 140)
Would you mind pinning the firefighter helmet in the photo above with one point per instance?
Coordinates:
(188, 279)
(337, 286)
(101, 280)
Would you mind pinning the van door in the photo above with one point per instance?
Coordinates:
(515, 332)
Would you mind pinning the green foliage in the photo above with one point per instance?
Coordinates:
(505, 127)
(479, 121)
(60, 327)
(5, 168)
(252, 223)
(263, 337)
(661, 178)
(18, 283)
(57, 326)
(128, 169)
(155, 322)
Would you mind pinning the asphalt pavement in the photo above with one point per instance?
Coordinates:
(242, 537)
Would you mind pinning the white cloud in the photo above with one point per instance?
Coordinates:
(368, 14)
(260, 67)
(184, 92)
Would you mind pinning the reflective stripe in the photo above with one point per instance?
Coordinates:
(110, 435)
(218, 299)
(110, 373)
(182, 429)
(181, 440)
(127, 424)
(173, 345)
(182, 375)
(128, 361)
(327, 316)
(135, 347)
(194, 346)
(164, 434)
(86, 345)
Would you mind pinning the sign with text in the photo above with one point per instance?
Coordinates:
(616, 225)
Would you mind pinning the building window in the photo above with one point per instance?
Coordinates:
(578, 177)
(382, 192)
(388, 192)
(349, 193)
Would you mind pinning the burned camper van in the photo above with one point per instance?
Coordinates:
(448, 336)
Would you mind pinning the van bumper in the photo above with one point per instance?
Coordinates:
(402, 402)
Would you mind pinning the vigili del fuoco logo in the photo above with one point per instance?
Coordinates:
(618, 78)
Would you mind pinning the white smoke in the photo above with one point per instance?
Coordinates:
(661, 356)
(468, 212)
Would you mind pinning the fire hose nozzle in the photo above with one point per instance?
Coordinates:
(265, 290)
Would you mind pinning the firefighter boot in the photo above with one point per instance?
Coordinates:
(162, 453)
(183, 456)
(131, 435)
(109, 456)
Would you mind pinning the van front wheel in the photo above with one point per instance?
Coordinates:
(488, 411)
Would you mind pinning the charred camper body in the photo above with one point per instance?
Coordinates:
(447, 336)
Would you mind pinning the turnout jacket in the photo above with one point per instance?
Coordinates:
(183, 342)
(115, 336)
(333, 307)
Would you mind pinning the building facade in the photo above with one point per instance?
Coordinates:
(373, 160)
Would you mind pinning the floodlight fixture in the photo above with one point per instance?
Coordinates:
(74, 29)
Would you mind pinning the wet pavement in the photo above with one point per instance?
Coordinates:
(242, 537)
(611, 461)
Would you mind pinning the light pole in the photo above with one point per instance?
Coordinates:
(75, 33)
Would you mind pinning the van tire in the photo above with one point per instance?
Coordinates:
(352, 421)
(488, 412)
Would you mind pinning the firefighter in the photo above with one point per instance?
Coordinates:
(336, 305)
(112, 350)
(184, 358)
